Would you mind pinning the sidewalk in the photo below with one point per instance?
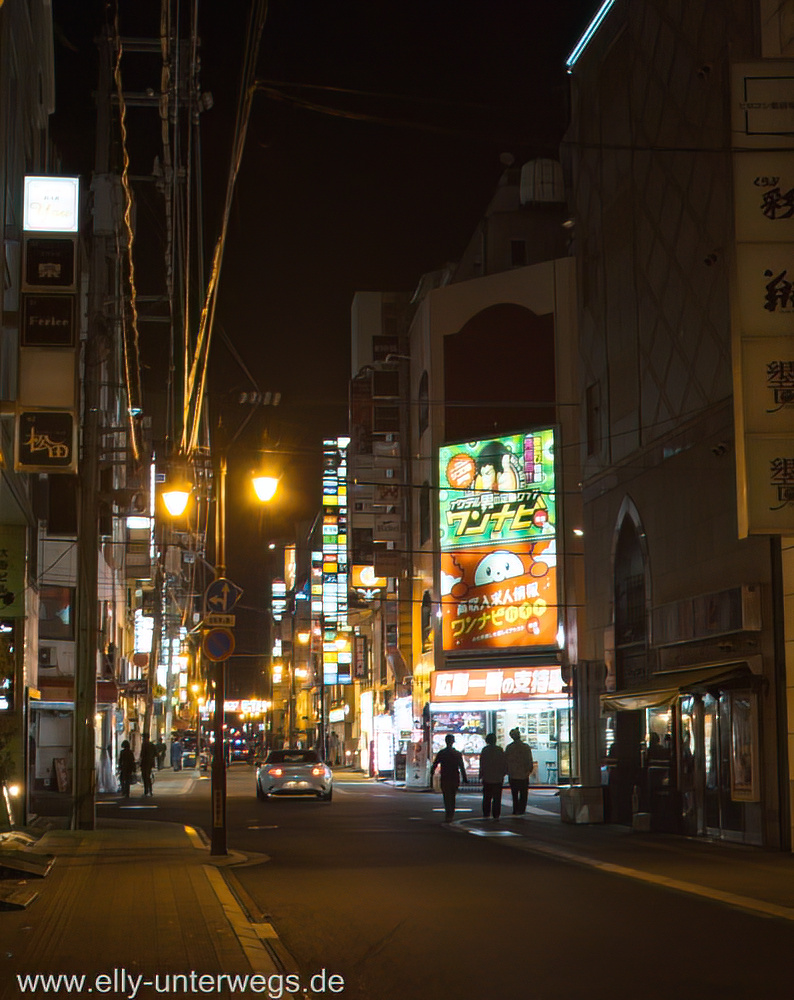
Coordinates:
(134, 901)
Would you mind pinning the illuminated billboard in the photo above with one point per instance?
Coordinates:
(51, 205)
(498, 521)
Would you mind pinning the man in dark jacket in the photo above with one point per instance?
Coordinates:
(453, 772)
(126, 768)
(493, 768)
(148, 761)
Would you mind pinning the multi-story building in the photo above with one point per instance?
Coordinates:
(27, 97)
(680, 160)
(485, 386)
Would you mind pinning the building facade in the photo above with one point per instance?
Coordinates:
(685, 602)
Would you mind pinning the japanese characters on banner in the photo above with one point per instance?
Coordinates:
(498, 517)
(497, 684)
(763, 345)
(47, 396)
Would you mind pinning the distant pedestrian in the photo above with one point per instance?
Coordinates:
(519, 767)
(126, 768)
(176, 755)
(453, 771)
(493, 768)
(161, 748)
(148, 761)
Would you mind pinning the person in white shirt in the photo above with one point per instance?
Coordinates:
(519, 767)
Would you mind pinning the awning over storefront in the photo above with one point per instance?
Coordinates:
(665, 687)
(61, 690)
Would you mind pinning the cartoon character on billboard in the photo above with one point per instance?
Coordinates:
(497, 469)
(497, 567)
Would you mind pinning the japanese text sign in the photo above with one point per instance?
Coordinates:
(498, 684)
(498, 543)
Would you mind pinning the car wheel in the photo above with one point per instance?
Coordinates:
(328, 795)
(259, 793)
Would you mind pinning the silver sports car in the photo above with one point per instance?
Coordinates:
(294, 772)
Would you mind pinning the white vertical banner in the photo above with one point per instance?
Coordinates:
(762, 122)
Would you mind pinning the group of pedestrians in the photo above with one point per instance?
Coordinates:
(152, 756)
(515, 762)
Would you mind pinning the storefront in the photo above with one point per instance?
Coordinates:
(472, 702)
(684, 749)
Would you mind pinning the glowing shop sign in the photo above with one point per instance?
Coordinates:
(498, 516)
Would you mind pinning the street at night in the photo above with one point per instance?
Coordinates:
(397, 499)
(373, 887)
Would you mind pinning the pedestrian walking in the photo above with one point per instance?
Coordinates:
(126, 768)
(453, 771)
(148, 762)
(161, 748)
(519, 767)
(493, 768)
(176, 755)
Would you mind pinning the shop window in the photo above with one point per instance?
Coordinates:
(56, 613)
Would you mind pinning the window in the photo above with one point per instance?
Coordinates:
(518, 253)
(424, 404)
(427, 623)
(424, 513)
(593, 417)
(56, 613)
(631, 599)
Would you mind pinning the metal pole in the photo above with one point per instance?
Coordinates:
(218, 779)
(292, 698)
(96, 344)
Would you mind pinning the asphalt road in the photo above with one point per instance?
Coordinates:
(374, 889)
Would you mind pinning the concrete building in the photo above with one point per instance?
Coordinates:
(678, 118)
(478, 368)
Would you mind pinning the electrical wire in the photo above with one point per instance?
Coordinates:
(196, 387)
(134, 394)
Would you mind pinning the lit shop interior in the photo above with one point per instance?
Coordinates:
(537, 704)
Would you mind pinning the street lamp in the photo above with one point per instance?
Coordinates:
(265, 487)
(265, 491)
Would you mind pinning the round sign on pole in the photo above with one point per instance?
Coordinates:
(218, 644)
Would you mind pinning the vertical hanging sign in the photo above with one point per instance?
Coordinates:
(47, 393)
(762, 124)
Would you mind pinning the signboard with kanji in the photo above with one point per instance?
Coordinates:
(498, 524)
(496, 685)
(46, 441)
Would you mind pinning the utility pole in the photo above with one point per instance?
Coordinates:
(94, 350)
(218, 773)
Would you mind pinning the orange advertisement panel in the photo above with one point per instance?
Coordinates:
(496, 598)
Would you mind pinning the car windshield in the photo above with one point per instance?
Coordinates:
(293, 757)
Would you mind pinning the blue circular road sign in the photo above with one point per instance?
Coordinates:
(218, 644)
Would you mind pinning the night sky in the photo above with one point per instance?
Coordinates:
(327, 205)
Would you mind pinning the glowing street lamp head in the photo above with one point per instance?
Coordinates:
(175, 498)
(265, 487)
